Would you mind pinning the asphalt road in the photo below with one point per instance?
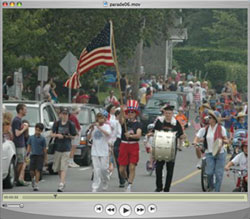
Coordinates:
(187, 178)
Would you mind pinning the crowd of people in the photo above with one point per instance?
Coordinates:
(116, 134)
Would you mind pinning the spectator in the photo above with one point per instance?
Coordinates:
(123, 84)
(18, 130)
(93, 99)
(37, 149)
(110, 99)
(7, 134)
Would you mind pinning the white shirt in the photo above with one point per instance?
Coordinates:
(100, 145)
(210, 137)
(113, 123)
(241, 160)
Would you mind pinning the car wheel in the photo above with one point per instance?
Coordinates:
(9, 182)
(87, 158)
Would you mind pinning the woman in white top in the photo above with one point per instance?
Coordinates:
(215, 157)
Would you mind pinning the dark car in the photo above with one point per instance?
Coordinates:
(86, 117)
(153, 107)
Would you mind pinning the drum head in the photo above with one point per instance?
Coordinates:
(216, 146)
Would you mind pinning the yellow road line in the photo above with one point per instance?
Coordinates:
(186, 177)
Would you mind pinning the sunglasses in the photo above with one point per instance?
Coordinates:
(130, 111)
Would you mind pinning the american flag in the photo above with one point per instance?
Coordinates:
(98, 52)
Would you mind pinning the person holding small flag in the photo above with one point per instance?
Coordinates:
(129, 147)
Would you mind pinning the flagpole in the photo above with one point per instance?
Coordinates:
(118, 74)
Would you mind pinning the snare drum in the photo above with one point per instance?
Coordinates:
(163, 147)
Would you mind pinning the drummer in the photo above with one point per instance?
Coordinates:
(129, 147)
(167, 122)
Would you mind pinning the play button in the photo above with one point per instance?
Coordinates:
(125, 210)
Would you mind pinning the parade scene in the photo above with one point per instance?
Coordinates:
(125, 100)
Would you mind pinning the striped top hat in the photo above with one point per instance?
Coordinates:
(132, 105)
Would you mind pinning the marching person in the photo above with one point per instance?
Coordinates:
(182, 119)
(215, 163)
(63, 131)
(100, 134)
(129, 147)
(73, 118)
(167, 123)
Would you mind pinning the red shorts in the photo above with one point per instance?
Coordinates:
(128, 153)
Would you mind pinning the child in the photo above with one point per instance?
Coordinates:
(37, 148)
(241, 159)
(182, 119)
(148, 141)
(100, 134)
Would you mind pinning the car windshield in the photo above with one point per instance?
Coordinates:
(32, 114)
(158, 103)
(83, 117)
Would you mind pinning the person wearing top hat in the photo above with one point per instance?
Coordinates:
(129, 147)
(215, 153)
(167, 122)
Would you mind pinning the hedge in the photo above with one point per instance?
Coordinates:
(219, 71)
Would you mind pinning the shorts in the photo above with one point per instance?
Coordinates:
(20, 154)
(76, 140)
(61, 161)
(129, 153)
(36, 162)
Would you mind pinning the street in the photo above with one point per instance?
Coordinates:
(187, 178)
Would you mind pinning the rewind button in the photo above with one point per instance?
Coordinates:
(110, 210)
(140, 209)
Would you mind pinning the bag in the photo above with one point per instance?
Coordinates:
(52, 144)
(51, 148)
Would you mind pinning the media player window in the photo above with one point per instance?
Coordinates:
(182, 93)
(119, 100)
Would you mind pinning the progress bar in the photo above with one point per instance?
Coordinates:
(121, 196)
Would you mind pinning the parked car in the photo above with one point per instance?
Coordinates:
(8, 164)
(37, 112)
(153, 107)
(86, 117)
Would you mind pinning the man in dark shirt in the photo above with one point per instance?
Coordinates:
(93, 99)
(63, 131)
(18, 129)
(167, 123)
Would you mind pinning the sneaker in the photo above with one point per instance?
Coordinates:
(122, 185)
(61, 187)
(73, 165)
(129, 188)
(198, 166)
(33, 183)
(36, 188)
(105, 186)
(22, 183)
(94, 190)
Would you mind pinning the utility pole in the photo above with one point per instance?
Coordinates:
(139, 63)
